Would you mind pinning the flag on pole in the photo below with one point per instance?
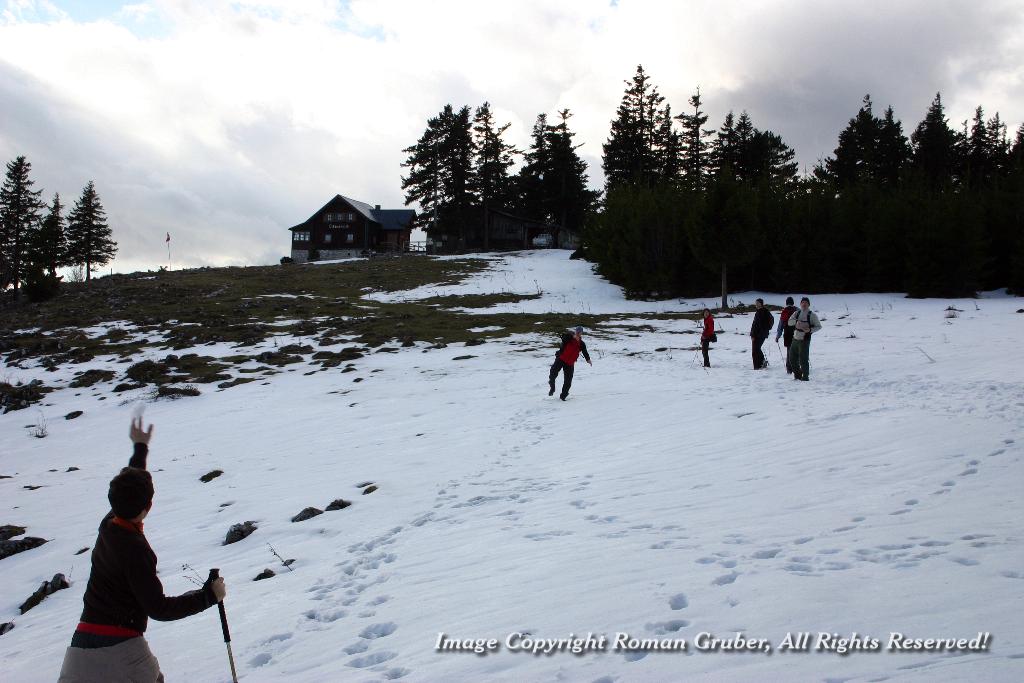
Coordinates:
(168, 237)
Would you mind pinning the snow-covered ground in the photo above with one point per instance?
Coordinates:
(661, 500)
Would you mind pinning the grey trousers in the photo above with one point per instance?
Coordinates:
(127, 662)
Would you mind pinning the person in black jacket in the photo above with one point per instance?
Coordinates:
(759, 331)
(124, 591)
(565, 360)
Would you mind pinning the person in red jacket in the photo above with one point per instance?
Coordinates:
(124, 591)
(707, 336)
(565, 359)
(785, 331)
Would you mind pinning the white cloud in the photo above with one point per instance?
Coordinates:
(225, 122)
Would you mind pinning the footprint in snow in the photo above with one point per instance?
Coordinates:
(396, 673)
(969, 471)
(372, 659)
(356, 648)
(378, 630)
(678, 601)
(661, 628)
(912, 501)
(766, 554)
(965, 561)
(804, 539)
(725, 579)
(259, 660)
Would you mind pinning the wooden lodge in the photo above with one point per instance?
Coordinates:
(345, 227)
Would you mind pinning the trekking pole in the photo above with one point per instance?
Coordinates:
(214, 573)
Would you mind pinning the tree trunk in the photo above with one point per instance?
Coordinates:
(487, 228)
(88, 270)
(725, 289)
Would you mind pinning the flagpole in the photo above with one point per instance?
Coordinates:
(168, 252)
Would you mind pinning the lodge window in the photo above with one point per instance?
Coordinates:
(300, 236)
(350, 238)
(327, 238)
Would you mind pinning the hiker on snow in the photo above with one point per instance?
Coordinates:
(565, 358)
(785, 331)
(124, 590)
(804, 323)
(707, 336)
(760, 329)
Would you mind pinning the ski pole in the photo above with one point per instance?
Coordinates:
(214, 573)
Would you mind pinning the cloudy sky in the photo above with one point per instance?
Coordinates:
(226, 122)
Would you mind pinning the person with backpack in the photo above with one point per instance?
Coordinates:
(760, 329)
(707, 336)
(785, 331)
(565, 360)
(804, 323)
(124, 591)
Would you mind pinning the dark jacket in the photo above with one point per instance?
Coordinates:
(571, 349)
(123, 588)
(762, 325)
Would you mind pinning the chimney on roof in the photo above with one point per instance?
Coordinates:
(377, 208)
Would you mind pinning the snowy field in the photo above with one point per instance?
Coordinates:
(661, 500)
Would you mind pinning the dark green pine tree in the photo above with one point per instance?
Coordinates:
(935, 148)
(854, 160)
(492, 158)
(571, 200)
(531, 190)
(998, 135)
(441, 174)
(696, 155)
(89, 236)
(979, 153)
(457, 171)
(745, 166)
(725, 147)
(423, 183)
(669, 148)
(771, 161)
(20, 206)
(727, 233)
(630, 154)
(49, 245)
(1016, 161)
(892, 151)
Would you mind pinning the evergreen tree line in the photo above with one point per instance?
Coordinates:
(940, 213)
(460, 169)
(36, 239)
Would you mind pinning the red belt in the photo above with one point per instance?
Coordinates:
(106, 630)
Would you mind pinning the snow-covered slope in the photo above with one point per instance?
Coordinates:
(660, 500)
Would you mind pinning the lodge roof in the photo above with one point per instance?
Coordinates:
(388, 219)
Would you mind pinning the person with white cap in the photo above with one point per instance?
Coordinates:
(565, 360)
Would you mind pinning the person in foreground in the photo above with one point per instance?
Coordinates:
(124, 591)
(804, 323)
(565, 360)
